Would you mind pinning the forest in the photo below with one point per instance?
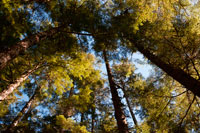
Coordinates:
(67, 66)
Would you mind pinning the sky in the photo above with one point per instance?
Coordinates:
(144, 68)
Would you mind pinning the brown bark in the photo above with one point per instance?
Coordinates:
(70, 110)
(178, 74)
(12, 52)
(119, 114)
(23, 111)
(129, 105)
(17, 83)
(20, 47)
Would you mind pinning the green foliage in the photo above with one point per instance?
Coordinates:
(14, 21)
(69, 125)
(109, 124)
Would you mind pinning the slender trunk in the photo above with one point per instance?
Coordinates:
(178, 74)
(69, 110)
(93, 112)
(119, 114)
(20, 47)
(71, 92)
(23, 111)
(82, 119)
(129, 105)
(17, 83)
(93, 119)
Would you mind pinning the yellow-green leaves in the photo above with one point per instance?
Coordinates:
(69, 125)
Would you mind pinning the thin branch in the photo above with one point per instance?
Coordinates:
(187, 111)
(165, 107)
(171, 96)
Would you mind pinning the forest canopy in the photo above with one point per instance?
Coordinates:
(66, 66)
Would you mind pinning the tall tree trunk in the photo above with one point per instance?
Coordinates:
(93, 119)
(178, 74)
(93, 112)
(17, 83)
(23, 111)
(129, 105)
(119, 114)
(69, 110)
(20, 47)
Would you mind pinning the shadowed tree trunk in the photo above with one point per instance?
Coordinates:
(17, 83)
(119, 114)
(93, 120)
(93, 113)
(129, 105)
(178, 74)
(20, 47)
(82, 118)
(23, 111)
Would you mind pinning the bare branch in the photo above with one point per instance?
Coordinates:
(187, 111)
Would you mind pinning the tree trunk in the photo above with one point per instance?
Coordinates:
(69, 110)
(129, 105)
(178, 74)
(20, 47)
(17, 83)
(93, 119)
(23, 111)
(93, 113)
(82, 119)
(119, 114)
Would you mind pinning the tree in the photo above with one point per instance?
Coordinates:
(23, 111)
(182, 77)
(11, 87)
(155, 49)
(119, 114)
(124, 75)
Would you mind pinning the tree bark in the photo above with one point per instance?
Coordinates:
(178, 74)
(70, 110)
(23, 111)
(20, 47)
(129, 105)
(119, 114)
(17, 83)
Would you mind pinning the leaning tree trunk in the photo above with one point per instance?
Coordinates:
(20, 47)
(129, 105)
(119, 114)
(23, 111)
(178, 74)
(17, 83)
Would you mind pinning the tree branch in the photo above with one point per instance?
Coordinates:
(187, 111)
